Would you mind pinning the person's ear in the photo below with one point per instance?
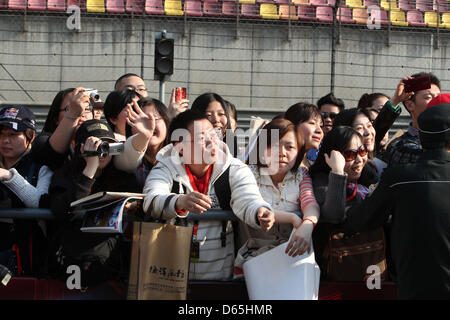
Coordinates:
(178, 147)
(410, 106)
(113, 120)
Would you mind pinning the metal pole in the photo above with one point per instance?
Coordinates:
(162, 89)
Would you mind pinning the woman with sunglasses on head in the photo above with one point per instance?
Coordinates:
(336, 172)
(335, 175)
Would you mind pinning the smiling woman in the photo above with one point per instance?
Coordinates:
(287, 187)
(214, 107)
(335, 175)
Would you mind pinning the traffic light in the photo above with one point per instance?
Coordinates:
(164, 47)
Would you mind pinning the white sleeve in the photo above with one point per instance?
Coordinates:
(245, 196)
(129, 160)
(29, 194)
(157, 192)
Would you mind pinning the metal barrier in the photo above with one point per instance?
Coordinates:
(46, 214)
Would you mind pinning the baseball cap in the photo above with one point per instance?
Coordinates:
(443, 98)
(18, 118)
(94, 128)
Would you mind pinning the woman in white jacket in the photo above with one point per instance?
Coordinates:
(287, 188)
(195, 161)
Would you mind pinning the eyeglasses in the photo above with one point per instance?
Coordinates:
(350, 155)
(209, 135)
(330, 115)
(138, 90)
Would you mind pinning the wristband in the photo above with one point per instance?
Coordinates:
(310, 221)
(181, 213)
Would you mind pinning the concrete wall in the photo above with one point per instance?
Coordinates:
(259, 70)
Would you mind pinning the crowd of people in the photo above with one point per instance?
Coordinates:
(316, 175)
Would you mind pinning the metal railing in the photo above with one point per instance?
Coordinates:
(46, 214)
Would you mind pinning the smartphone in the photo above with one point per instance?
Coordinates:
(417, 84)
(180, 94)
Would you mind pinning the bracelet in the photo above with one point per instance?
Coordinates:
(310, 221)
(181, 213)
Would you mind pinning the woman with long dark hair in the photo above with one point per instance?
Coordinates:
(308, 120)
(69, 109)
(215, 108)
(158, 139)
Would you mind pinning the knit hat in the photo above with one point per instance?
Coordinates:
(434, 125)
(443, 98)
(18, 118)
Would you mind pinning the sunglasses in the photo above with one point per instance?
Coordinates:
(330, 115)
(350, 155)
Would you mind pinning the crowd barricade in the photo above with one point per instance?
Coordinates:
(27, 288)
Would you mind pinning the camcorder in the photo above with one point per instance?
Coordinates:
(93, 93)
(106, 149)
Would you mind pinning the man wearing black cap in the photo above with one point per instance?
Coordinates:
(417, 197)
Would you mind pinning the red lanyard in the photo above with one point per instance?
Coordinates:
(202, 182)
(354, 193)
(196, 184)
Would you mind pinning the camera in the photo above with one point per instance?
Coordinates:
(93, 93)
(105, 149)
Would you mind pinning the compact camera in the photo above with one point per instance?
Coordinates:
(93, 93)
(105, 149)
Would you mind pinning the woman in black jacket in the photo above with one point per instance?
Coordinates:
(84, 175)
(336, 176)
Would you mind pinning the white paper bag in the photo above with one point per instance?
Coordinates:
(274, 275)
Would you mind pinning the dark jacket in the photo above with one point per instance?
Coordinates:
(69, 244)
(331, 192)
(25, 234)
(417, 196)
(386, 118)
(43, 153)
(67, 187)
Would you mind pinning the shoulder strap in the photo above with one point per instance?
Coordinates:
(223, 190)
(175, 187)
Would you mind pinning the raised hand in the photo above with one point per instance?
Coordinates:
(176, 108)
(142, 122)
(400, 95)
(78, 104)
(92, 162)
(335, 161)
